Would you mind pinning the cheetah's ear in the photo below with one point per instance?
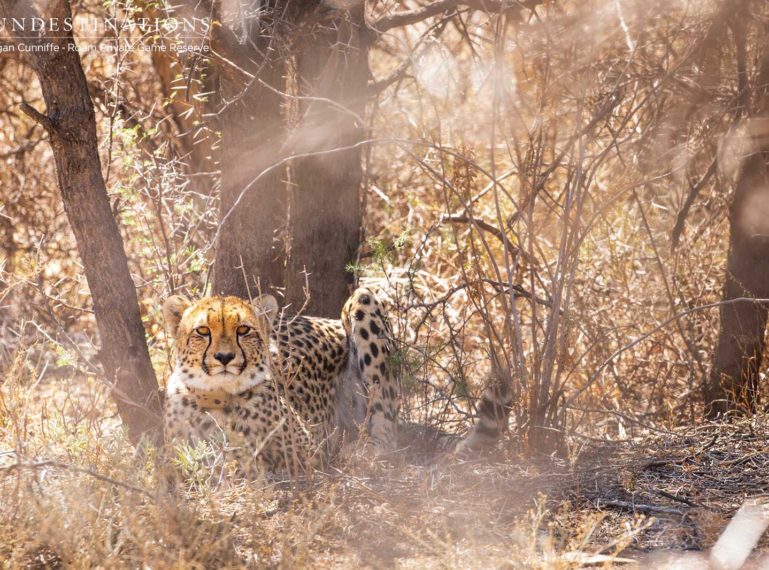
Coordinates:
(266, 306)
(173, 309)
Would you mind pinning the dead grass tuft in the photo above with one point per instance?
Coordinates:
(73, 492)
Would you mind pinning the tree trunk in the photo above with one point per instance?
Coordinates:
(325, 217)
(71, 126)
(331, 74)
(249, 254)
(733, 381)
(734, 377)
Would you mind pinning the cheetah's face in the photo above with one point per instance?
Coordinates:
(221, 343)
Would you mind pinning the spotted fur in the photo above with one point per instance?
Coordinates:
(284, 392)
(493, 413)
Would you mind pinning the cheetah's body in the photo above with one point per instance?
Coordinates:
(284, 393)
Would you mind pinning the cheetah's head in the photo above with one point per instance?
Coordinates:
(221, 343)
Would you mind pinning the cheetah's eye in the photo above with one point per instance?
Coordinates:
(203, 331)
(244, 330)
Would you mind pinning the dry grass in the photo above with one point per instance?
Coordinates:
(74, 492)
(691, 479)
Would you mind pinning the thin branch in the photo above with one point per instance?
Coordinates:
(596, 374)
(408, 17)
(499, 286)
(331, 151)
(496, 232)
(694, 191)
(638, 507)
(432, 32)
(422, 13)
(21, 149)
(41, 119)
(82, 470)
(397, 74)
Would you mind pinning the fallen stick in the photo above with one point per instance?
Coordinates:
(638, 507)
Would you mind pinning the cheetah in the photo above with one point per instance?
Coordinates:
(286, 392)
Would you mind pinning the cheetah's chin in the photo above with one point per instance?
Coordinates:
(231, 383)
(224, 372)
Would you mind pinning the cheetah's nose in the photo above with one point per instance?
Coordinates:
(224, 357)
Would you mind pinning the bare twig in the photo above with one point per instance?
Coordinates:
(409, 17)
(7, 469)
(639, 507)
(43, 120)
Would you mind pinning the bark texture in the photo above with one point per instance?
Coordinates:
(733, 382)
(325, 222)
(324, 54)
(249, 254)
(70, 123)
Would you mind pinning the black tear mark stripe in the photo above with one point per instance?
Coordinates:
(205, 354)
(243, 352)
(210, 338)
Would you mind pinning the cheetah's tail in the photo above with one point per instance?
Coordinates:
(493, 413)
